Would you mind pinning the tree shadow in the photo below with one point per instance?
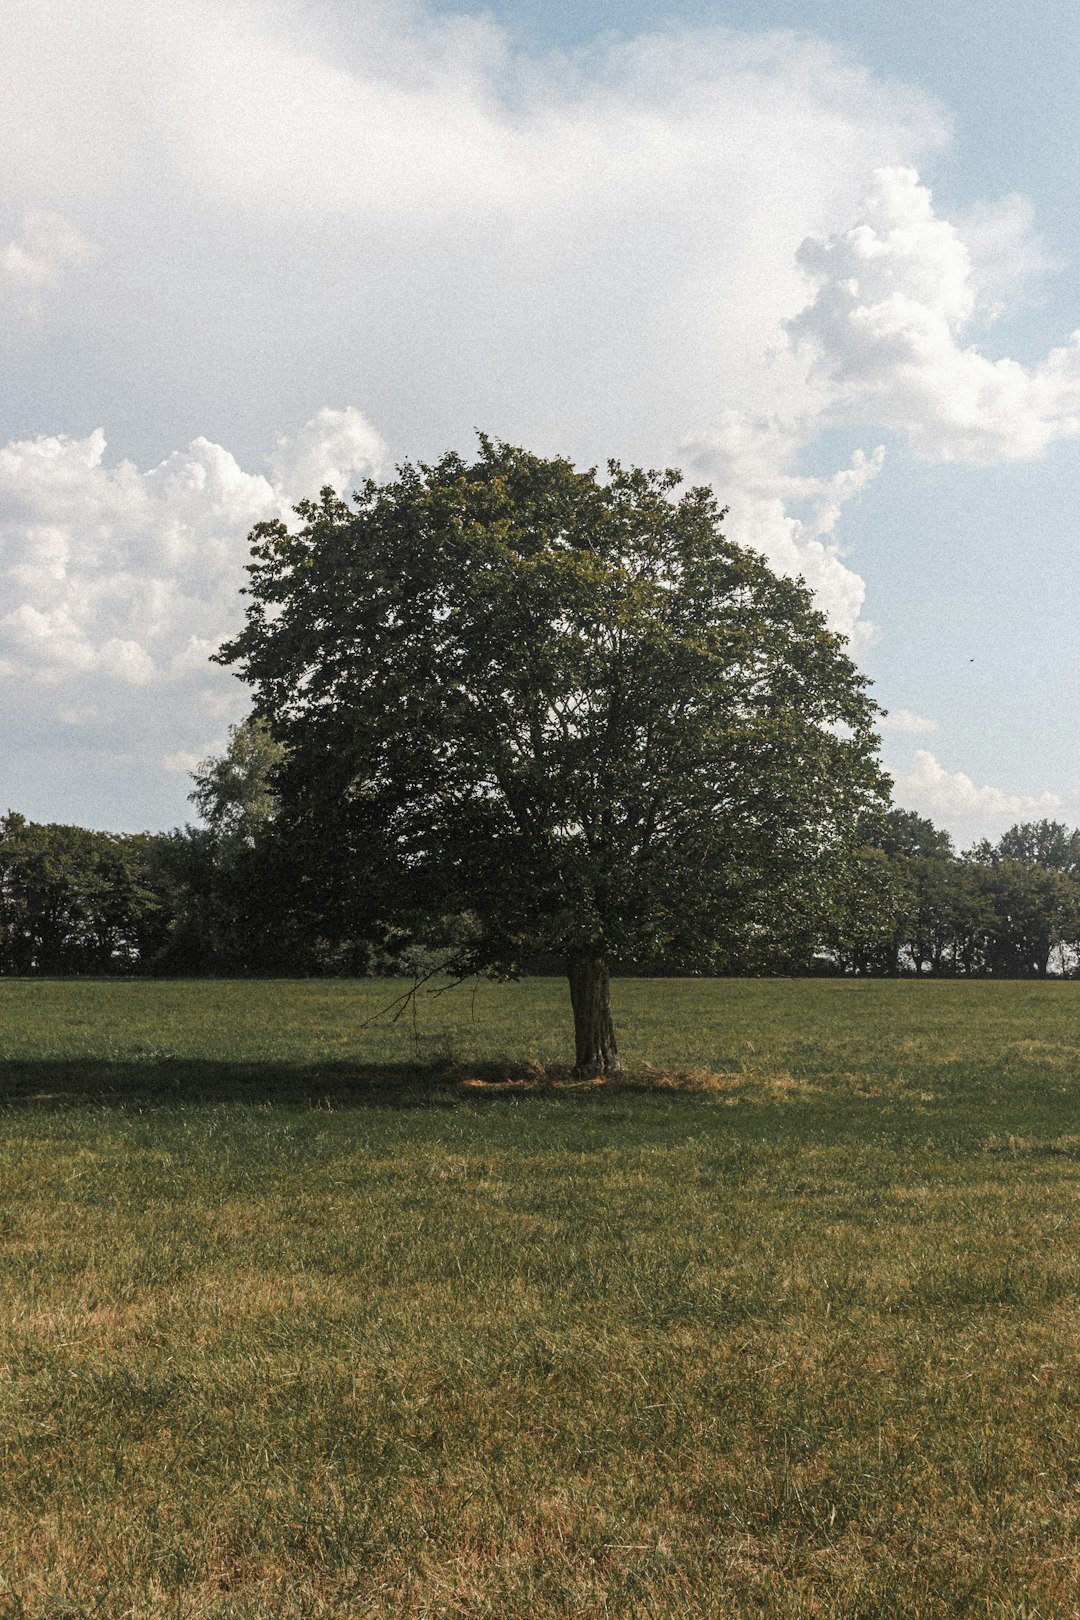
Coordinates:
(139, 1085)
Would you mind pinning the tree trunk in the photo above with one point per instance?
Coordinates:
(590, 997)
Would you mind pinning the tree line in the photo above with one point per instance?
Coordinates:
(226, 898)
(1009, 909)
(206, 899)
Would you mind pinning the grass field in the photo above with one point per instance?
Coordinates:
(302, 1318)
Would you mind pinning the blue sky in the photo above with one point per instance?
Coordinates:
(825, 255)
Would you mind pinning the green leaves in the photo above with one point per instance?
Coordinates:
(568, 706)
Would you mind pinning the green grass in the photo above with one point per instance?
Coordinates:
(303, 1318)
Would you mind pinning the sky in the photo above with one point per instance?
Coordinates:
(824, 255)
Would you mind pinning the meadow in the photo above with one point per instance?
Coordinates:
(304, 1315)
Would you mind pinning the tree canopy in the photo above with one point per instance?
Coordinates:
(564, 708)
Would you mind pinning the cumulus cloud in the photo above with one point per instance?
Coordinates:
(328, 450)
(896, 293)
(748, 459)
(397, 204)
(881, 344)
(120, 583)
(953, 799)
(590, 253)
(106, 567)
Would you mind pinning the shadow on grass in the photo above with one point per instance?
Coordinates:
(151, 1082)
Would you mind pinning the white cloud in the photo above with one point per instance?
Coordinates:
(589, 253)
(403, 113)
(105, 567)
(747, 459)
(119, 584)
(896, 293)
(565, 251)
(328, 450)
(904, 720)
(952, 799)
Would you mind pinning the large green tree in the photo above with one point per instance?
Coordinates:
(565, 708)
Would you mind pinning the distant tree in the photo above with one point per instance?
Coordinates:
(234, 792)
(566, 711)
(925, 892)
(1049, 844)
(868, 916)
(1030, 913)
(945, 929)
(904, 832)
(77, 901)
(237, 880)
